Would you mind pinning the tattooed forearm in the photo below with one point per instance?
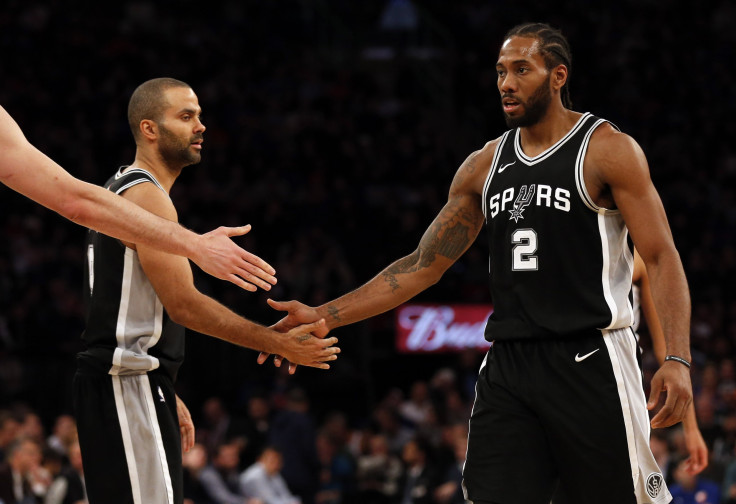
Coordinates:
(404, 265)
(391, 279)
(334, 312)
(450, 234)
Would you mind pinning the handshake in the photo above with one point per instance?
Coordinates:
(304, 341)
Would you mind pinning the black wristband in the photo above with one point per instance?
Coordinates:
(678, 359)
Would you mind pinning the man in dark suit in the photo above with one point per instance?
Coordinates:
(420, 478)
(23, 457)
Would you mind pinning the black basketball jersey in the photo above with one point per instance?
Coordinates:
(128, 331)
(559, 264)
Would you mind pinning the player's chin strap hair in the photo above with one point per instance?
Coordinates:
(677, 359)
(554, 49)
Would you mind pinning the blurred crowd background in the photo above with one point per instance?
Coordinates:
(334, 127)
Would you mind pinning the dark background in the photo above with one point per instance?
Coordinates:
(337, 139)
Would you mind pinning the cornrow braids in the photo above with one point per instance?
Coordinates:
(554, 49)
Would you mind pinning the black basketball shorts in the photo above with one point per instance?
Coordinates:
(129, 436)
(565, 414)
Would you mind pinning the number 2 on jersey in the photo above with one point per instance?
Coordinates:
(525, 244)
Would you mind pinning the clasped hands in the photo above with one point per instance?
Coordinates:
(298, 314)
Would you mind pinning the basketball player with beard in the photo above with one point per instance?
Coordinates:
(559, 398)
(131, 424)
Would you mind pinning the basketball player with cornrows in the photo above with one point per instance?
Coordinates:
(559, 399)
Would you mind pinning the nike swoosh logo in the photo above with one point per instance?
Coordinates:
(505, 166)
(578, 358)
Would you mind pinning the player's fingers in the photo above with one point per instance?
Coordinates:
(237, 231)
(292, 368)
(254, 279)
(279, 305)
(328, 342)
(668, 415)
(277, 360)
(311, 327)
(330, 352)
(262, 357)
(656, 389)
(259, 263)
(249, 269)
(241, 283)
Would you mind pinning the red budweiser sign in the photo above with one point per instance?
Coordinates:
(441, 328)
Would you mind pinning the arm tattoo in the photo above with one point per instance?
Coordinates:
(334, 312)
(449, 235)
(404, 265)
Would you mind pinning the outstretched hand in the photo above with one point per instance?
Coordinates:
(673, 378)
(297, 313)
(222, 258)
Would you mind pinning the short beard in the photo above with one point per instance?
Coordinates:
(175, 152)
(534, 109)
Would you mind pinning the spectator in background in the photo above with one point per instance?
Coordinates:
(294, 434)
(21, 478)
(68, 487)
(263, 480)
(692, 488)
(420, 476)
(194, 461)
(218, 425)
(337, 472)
(450, 490)
(378, 473)
(728, 490)
(9, 429)
(416, 409)
(220, 478)
(256, 428)
(63, 435)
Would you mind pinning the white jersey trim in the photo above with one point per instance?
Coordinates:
(494, 165)
(121, 173)
(618, 269)
(527, 160)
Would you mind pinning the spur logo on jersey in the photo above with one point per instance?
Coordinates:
(540, 195)
(655, 483)
(522, 201)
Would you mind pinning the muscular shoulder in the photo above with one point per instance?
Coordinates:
(612, 154)
(471, 175)
(150, 197)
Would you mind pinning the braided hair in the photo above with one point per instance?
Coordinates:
(554, 48)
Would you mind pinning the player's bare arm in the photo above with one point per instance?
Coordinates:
(694, 442)
(28, 171)
(171, 277)
(451, 233)
(617, 175)
(448, 237)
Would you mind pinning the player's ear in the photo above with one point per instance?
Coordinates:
(559, 76)
(149, 129)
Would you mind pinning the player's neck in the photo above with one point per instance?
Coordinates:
(153, 163)
(553, 126)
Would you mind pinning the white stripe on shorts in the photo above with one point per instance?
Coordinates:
(146, 458)
(648, 482)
